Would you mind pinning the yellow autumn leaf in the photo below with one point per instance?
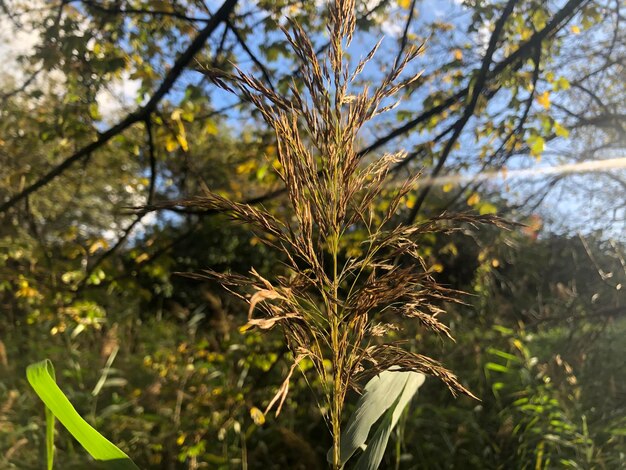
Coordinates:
(562, 84)
(447, 187)
(95, 246)
(487, 208)
(560, 131)
(473, 199)
(544, 99)
(575, 29)
(210, 127)
(458, 54)
(181, 135)
(270, 150)
(246, 167)
(406, 4)
(257, 416)
(27, 292)
(171, 143)
(141, 258)
(276, 165)
(537, 144)
(437, 267)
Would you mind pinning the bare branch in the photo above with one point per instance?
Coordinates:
(134, 117)
(479, 84)
(407, 25)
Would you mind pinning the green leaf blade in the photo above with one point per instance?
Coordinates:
(381, 397)
(41, 377)
(373, 454)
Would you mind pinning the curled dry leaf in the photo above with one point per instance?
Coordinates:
(282, 392)
(267, 323)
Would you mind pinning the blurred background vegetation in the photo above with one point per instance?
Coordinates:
(102, 111)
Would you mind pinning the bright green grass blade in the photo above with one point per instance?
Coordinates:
(50, 430)
(42, 379)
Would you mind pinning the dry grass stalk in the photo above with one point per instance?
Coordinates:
(329, 307)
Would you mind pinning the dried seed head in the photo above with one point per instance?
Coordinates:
(328, 311)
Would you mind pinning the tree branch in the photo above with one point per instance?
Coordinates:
(407, 25)
(250, 54)
(128, 230)
(5, 96)
(519, 129)
(136, 116)
(525, 49)
(480, 82)
(141, 11)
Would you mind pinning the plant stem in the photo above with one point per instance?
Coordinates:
(336, 396)
(336, 405)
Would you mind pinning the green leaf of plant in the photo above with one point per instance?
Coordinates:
(381, 393)
(497, 367)
(373, 455)
(42, 378)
